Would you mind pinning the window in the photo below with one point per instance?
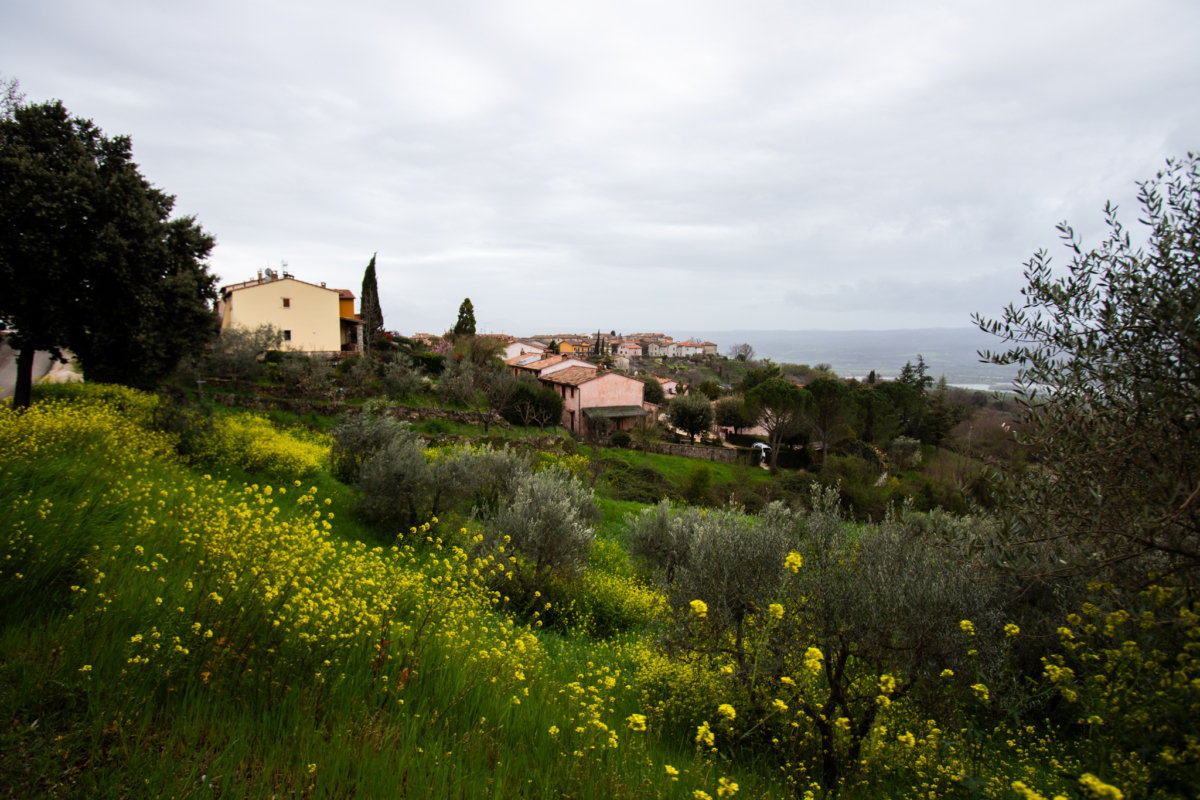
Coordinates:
(287, 336)
(287, 302)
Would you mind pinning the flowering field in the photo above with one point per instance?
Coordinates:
(167, 631)
(211, 635)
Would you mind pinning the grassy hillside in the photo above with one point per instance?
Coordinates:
(193, 613)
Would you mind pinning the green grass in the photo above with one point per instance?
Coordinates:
(612, 525)
(76, 725)
(677, 468)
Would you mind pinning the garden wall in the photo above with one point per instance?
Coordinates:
(410, 413)
(722, 454)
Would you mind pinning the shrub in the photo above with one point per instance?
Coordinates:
(662, 538)
(851, 620)
(904, 453)
(252, 442)
(400, 380)
(548, 520)
(360, 375)
(398, 480)
(620, 439)
(699, 482)
(732, 566)
(357, 439)
(432, 363)
(308, 376)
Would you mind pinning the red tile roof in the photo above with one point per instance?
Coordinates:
(573, 376)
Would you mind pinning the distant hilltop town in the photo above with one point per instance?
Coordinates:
(612, 344)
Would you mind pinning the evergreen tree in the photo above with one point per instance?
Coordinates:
(370, 311)
(466, 319)
(916, 377)
(781, 408)
(90, 260)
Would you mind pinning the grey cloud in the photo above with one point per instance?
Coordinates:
(669, 165)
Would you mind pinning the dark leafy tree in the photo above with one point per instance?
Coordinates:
(758, 375)
(731, 412)
(1109, 357)
(831, 411)
(782, 408)
(534, 405)
(653, 391)
(90, 259)
(690, 413)
(915, 376)
(465, 326)
(709, 389)
(874, 409)
(370, 310)
(908, 405)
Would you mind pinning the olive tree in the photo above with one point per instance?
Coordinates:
(1109, 357)
(820, 625)
(662, 537)
(236, 351)
(549, 519)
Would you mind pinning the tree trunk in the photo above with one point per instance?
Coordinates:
(23, 393)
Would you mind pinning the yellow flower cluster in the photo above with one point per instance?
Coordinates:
(252, 442)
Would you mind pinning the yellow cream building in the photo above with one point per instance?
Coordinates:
(313, 318)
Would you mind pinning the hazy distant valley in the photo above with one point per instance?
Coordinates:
(948, 351)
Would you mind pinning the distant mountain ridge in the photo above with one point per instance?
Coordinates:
(948, 351)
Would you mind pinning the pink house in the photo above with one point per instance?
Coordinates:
(669, 386)
(592, 397)
(539, 364)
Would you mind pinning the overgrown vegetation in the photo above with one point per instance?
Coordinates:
(196, 600)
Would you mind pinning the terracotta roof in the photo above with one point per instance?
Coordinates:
(345, 294)
(533, 360)
(573, 376)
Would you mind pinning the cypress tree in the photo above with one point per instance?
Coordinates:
(371, 313)
(466, 319)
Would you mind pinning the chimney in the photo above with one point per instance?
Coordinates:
(322, 284)
(260, 274)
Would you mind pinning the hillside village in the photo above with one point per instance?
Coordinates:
(592, 372)
(315, 556)
(262, 538)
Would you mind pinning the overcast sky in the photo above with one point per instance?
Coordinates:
(634, 165)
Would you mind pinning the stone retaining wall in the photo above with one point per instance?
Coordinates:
(722, 454)
(408, 413)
